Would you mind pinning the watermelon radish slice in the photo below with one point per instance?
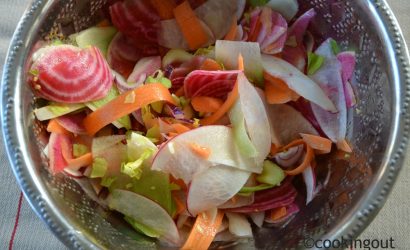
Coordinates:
(145, 67)
(135, 18)
(348, 61)
(176, 158)
(73, 123)
(216, 84)
(214, 187)
(145, 212)
(57, 143)
(68, 74)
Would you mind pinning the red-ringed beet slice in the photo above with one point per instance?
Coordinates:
(136, 19)
(73, 123)
(56, 146)
(68, 74)
(202, 83)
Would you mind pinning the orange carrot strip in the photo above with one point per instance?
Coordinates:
(277, 91)
(172, 134)
(203, 232)
(344, 146)
(230, 101)
(178, 182)
(180, 92)
(206, 104)
(231, 35)
(104, 23)
(200, 151)
(179, 128)
(180, 205)
(274, 149)
(310, 155)
(164, 8)
(191, 26)
(278, 213)
(319, 144)
(82, 161)
(54, 127)
(210, 65)
(126, 104)
(254, 36)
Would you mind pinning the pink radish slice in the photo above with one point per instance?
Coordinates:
(296, 54)
(303, 106)
(67, 74)
(290, 157)
(136, 19)
(287, 123)
(329, 78)
(310, 181)
(348, 61)
(213, 187)
(196, 83)
(273, 31)
(73, 123)
(55, 152)
(144, 68)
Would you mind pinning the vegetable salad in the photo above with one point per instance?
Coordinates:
(195, 119)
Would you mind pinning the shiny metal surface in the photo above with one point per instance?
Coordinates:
(358, 187)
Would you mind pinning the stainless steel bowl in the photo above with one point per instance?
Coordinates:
(357, 189)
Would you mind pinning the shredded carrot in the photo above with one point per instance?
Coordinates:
(278, 213)
(179, 128)
(320, 144)
(164, 8)
(82, 161)
(210, 65)
(254, 36)
(344, 146)
(180, 92)
(310, 155)
(191, 26)
(206, 104)
(178, 182)
(230, 101)
(231, 35)
(203, 152)
(180, 205)
(274, 149)
(55, 127)
(277, 91)
(126, 104)
(203, 232)
(104, 23)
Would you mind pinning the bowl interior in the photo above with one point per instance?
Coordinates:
(79, 221)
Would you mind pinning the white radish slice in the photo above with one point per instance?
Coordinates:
(176, 158)
(214, 187)
(334, 125)
(258, 218)
(256, 118)
(297, 81)
(288, 8)
(239, 225)
(310, 182)
(238, 201)
(145, 212)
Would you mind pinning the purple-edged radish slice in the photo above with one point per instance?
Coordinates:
(68, 74)
(56, 146)
(288, 8)
(310, 181)
(214, 187)
(73, 123)
(329, 78)
(176, 158)
(348, 61)
(145, 67)
(145, 212)
(297, 81)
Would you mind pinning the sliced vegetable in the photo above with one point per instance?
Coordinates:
(271, 174)
(306, 161)
(227, 52)
(290, 157)
(239, 225)
(99, 37)
(63, 78)
(210, 65)
(145, 67)
(309, 178)
(164, 8)
(145, 212)
(203, 231)
(55, 127)
(348, 62)
(319, 144)
(55, 110)
(73, 123)
(175, 157)
(258, 218)
(176, 56)
(297, 81)
(277, 91)
(291, 210)
(248, 190)
(123, 122)
(120, 107)
(238, 201)
(194, 30)
(288, 8)
(314, 63)
(57, 143)
(99, 168)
